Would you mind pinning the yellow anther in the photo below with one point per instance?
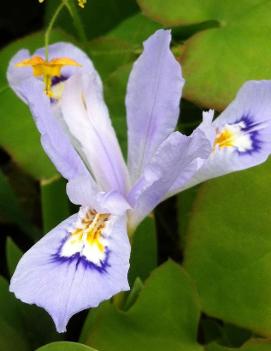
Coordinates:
(47, 69)
(82, 3)
(225, 138)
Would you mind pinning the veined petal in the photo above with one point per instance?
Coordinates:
(30, 89)
(80, 263)
(87, 119)
(152, 101)
(241, 135)
(174, 160)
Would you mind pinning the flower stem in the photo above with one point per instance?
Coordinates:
(50, 27)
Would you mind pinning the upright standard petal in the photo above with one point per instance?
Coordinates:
(152, 101)
(87, 120)
(168, 165)
(80, 263)
(240, 135)
(30, 90)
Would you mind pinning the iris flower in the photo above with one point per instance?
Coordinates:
(85, 259)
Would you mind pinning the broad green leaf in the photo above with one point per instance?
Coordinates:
(252, 345)
(109, 53)
(164, 317)
(14, 254)
(18, 134)
(135, 30)
(175, 12)
(185, 202)
(120, 46)
(11, 209)
(144, 251)
(134, 293)
(229, 247)
(19, 137)
(237, 49)
(54, 203)
(65, 346)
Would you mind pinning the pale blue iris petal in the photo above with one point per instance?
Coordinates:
(174, 160)
(62, 49)
(92, 132)
(65, 287)
(152, 101)
(30, 89)
(251, 108)
(83, 191)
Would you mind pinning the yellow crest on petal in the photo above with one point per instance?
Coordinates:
(225, 138)
(47, 69)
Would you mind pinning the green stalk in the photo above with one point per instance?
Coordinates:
(50, 27)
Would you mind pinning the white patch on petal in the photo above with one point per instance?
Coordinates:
(234, 136)
(57, 90)
(88, 237)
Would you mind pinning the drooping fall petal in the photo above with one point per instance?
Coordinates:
(80, 263)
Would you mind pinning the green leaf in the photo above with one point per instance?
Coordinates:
(229, 247)
(109, 53)
(18, 134)
(185, 12)
(132, 297)
(54, 202)
(65, 346)
(120, 46)
(236, 48)
(11, 209)
(144, 251)
(164, 317)
(185, 202)
(14, 254)
(19, 137)
(135, 30)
